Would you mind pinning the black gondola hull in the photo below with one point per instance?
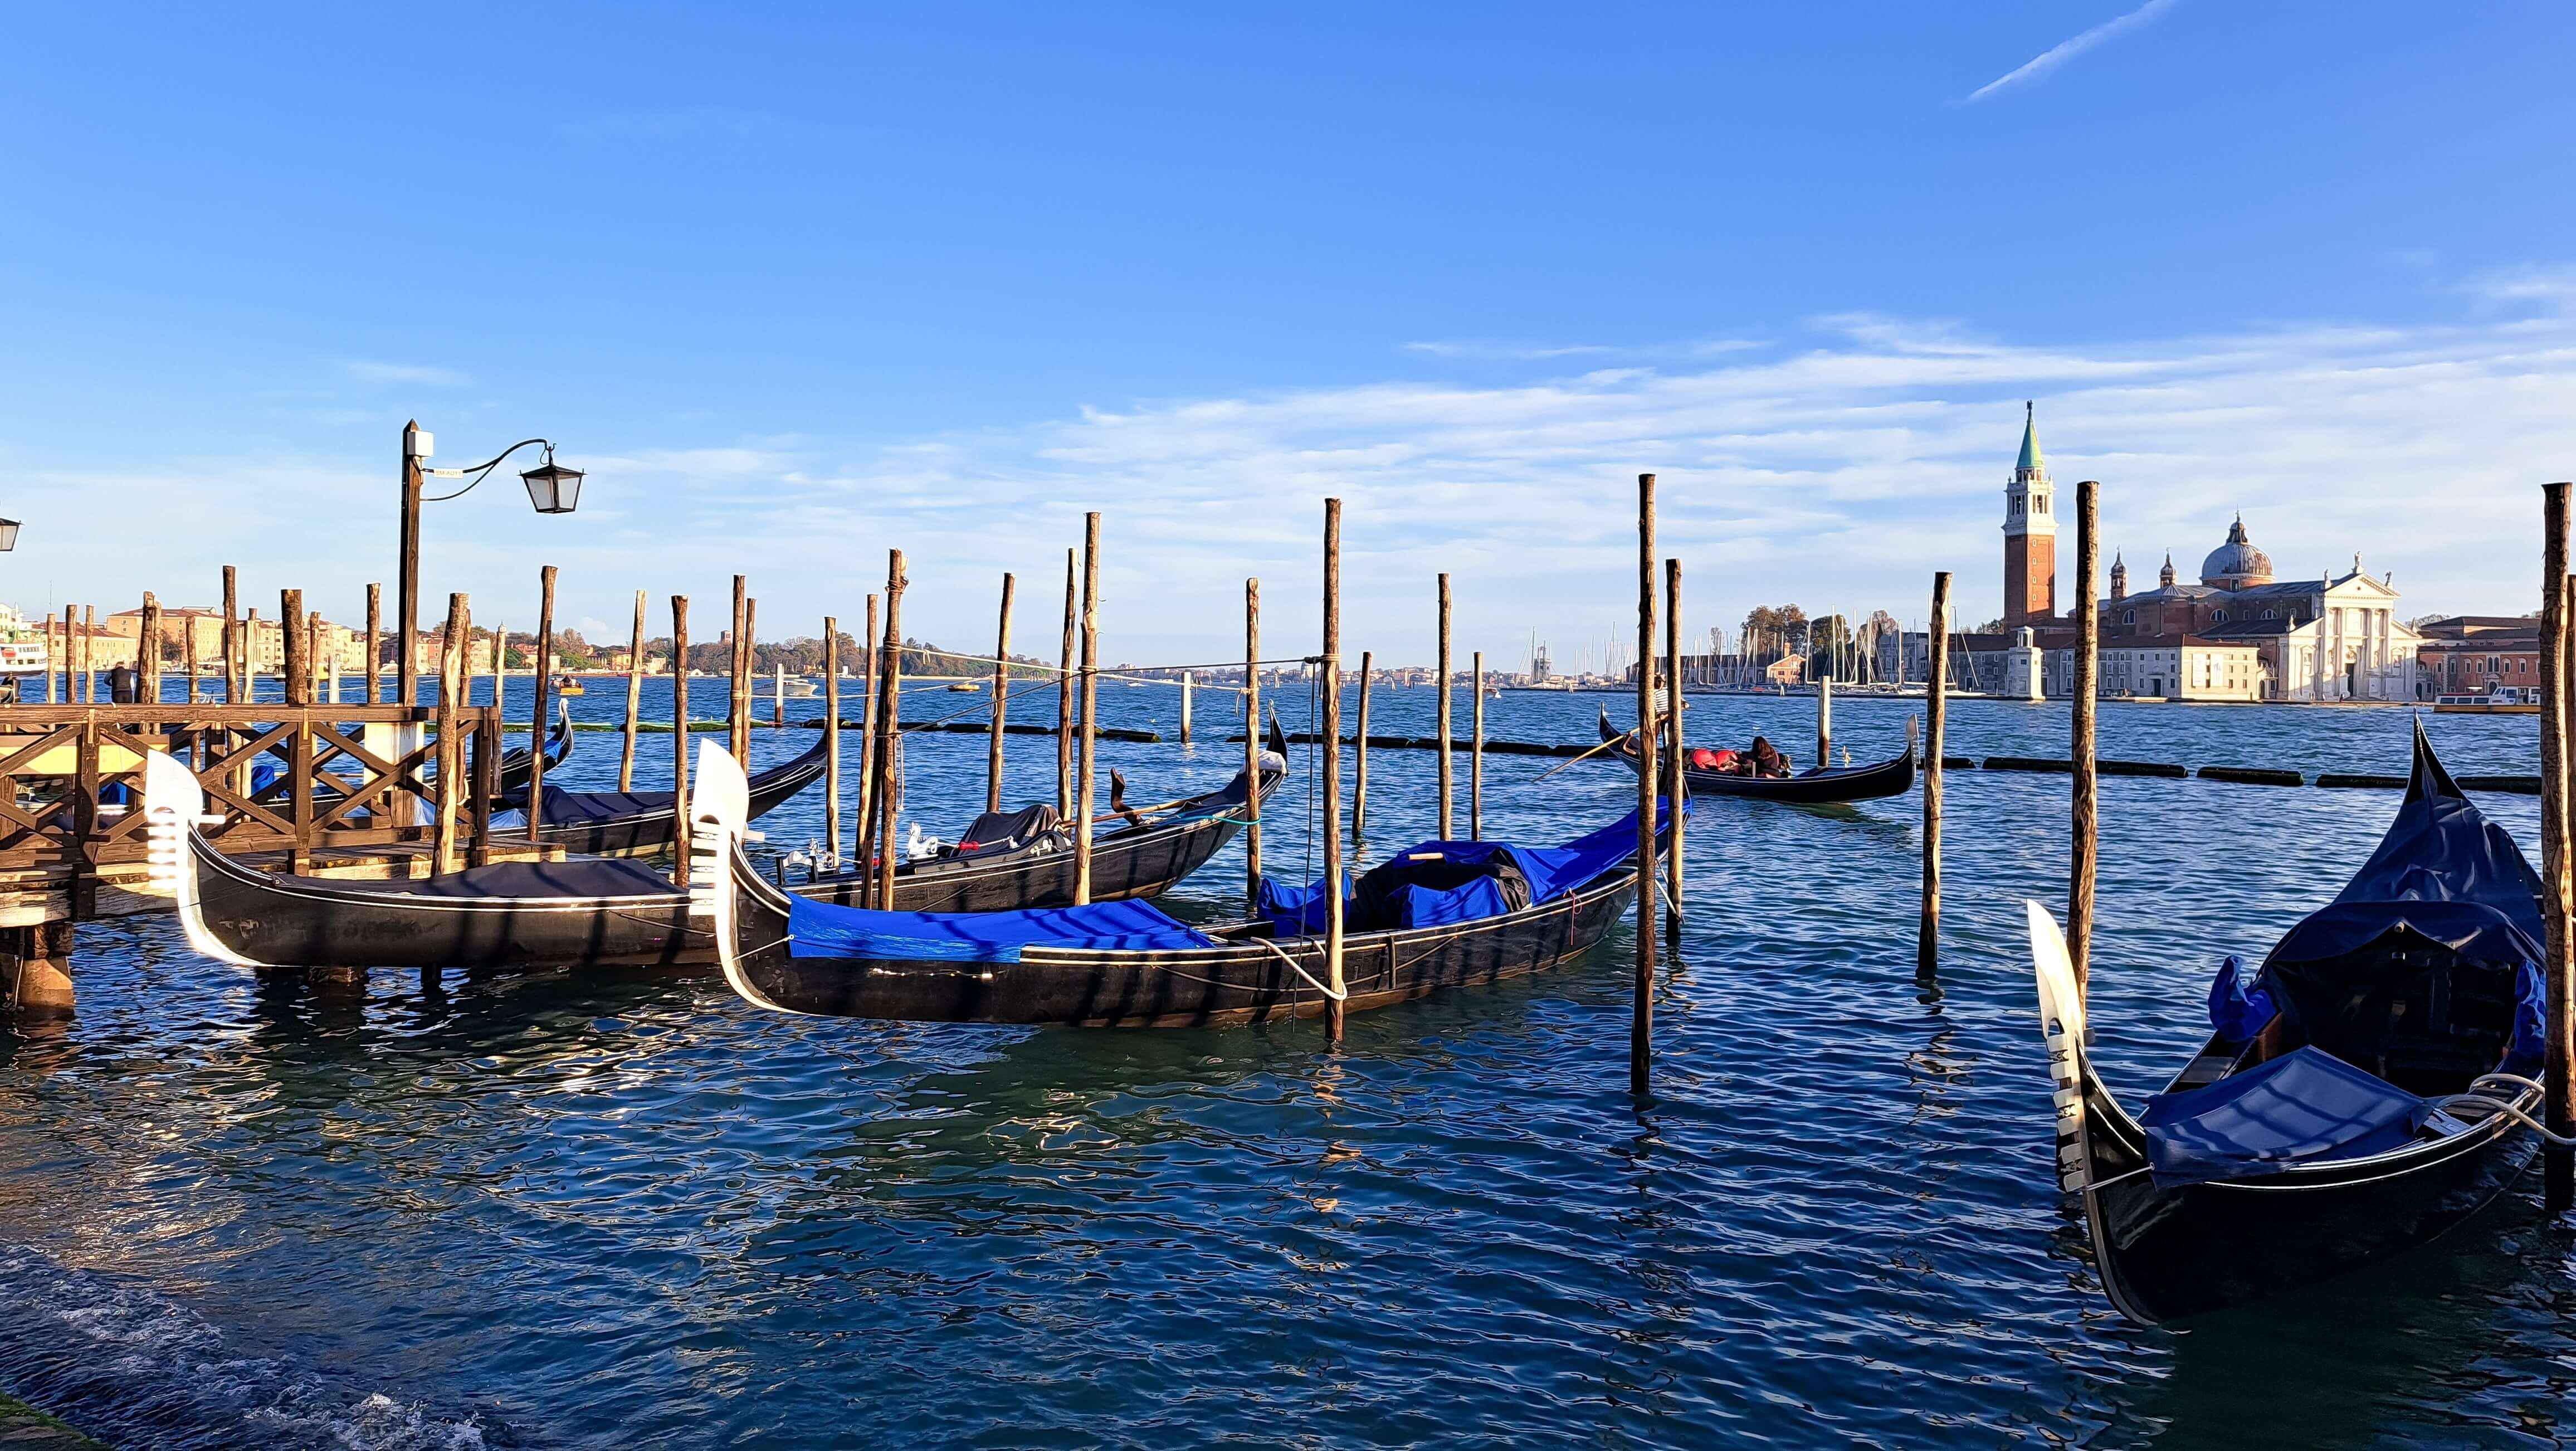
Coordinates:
(1831, 786)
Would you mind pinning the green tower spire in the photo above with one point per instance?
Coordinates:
(2030, 460)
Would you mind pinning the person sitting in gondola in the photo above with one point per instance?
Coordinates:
(1767, 760)
(1724, 762)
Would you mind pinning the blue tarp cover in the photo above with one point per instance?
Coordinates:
(2239, 1007)
(1551, 872)
(820, 929)
(2306, 1105)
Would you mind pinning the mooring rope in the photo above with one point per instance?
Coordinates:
(2564, 1141)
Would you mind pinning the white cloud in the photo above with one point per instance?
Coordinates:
(1837, 471)
(2066, 50)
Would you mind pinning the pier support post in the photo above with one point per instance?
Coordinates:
(1642, 1015)
(375, 632)
(452, 787)
(1825, 719)
(38, 958)
(2557, 900)
(1936, 699)
(2087, 806)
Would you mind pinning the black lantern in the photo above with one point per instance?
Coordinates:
(8, 535)
(553, 488)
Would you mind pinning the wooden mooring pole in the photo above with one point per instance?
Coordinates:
(1936, 696)
(1084, 792)
(738, 684)
(1447, 787)
(544, 679)
(1064, 696)
(147, 650)
(1334, 981)
(1824, 721)
(1252, 742)
(451, 752)
(2085, 842)
(1359, 753)
(889, 762)
(1674, 787)
(1642, 1015)
(634, 700)
(375, 636)
(831, 739)
(2558, 895)
(867, 752)
(1002, 697)
(680, 731)
(1186, 682)
(1476, 748)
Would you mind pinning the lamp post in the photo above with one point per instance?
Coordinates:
(552, 489)
(8, 535)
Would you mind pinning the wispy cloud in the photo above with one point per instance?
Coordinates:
(1509, 351)
(418, 374)
(2066, 50)
(1836, 468)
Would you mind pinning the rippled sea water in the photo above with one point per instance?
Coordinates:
(610, 1211)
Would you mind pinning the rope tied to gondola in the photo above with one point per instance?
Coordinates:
(2497, 1105)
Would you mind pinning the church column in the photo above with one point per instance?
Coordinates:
(2317, 662)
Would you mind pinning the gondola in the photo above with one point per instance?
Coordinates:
(639, 823)
(2366, 1090)
(1444, 914)
(594, 911)
(1821, 786)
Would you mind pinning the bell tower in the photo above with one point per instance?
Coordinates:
(2030, 534)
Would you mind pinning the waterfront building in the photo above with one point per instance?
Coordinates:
(2477, 655)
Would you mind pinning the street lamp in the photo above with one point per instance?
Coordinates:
(552, 489)
(8, 535)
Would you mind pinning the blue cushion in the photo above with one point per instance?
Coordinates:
(2305, 1106)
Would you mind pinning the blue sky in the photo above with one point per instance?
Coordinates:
(801, 283)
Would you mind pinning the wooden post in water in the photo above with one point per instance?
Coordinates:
(1476, 749)
(1824, 721)
(500, 668)
(680, 732)
(1252, 742)
(2087, 819)
(867, 754)
(1936, 699)
(1675, 788)
(737, 701)
(299, 676)
(194, 691)
(1185, 707)
(233, 630)
(1359, 753)
(889, 763)
(831, 738)
(1083, 792)
(1642, 1016)
(451, 742)
(89, 647)
(375, 650)
(1447, 778)
(1332, 734)
(2559, 1090)
(1064, 699)
(71, 623)
(2557, 899)
(147, 649)
(544, 679)
(634, 700)
(1001, 697)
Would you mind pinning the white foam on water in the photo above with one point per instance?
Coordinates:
(137, 1368)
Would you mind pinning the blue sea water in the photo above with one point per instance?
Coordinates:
(629, 1209)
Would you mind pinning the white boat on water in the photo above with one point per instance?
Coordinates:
(2498, 700)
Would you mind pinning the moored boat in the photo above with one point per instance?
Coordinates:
(2366, 1090)
(1445, 914)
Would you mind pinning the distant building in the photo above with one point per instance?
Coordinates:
(2476, 654)
(2030, 533)
(2327, 639)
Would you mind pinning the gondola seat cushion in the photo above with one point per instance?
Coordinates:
(2306, 1106)
(541, 881)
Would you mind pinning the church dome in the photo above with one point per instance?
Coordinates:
(2236, 563)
